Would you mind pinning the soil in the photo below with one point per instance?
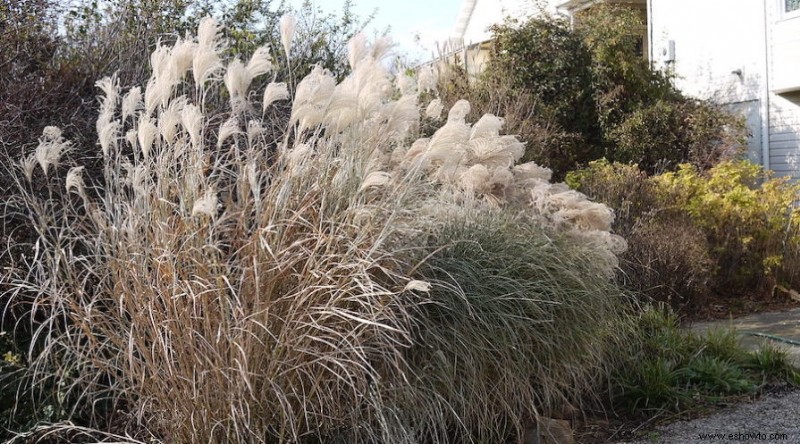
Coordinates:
(717, 307)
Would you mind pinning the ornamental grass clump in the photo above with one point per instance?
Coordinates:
(343, 281)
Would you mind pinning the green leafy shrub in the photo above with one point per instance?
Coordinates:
(546, 59)
(224, 283)
(624, 82)
(580, 94)
(665, 134)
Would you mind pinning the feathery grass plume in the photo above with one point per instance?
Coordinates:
(434, 109)
(252, 175)
(427, 79)
(458, 112)
(132, 102)
(108, 133)
(531, 171)
(161, 61)
(192, 121)
(205, 65)
(288, 24)
(260, 62)
(254, 130)
(381, 48)
(170, 118)
(206, 62)
(110, 88)
(206, 205)
(312, 98)
(448, 143)
(375, 179)
(146, 135)
(28, 164)
(131, 136)
(51, 146)
(209, 32)
(75, 180)
(237, 79)
(402, 117)
(182, 57)
(357, 49)
(361, 94)
(476, 179)
(273, 93)
(416, 285)
(487, 126)
(406, 84)
(138, 179)
(228, 129)
(501, 178)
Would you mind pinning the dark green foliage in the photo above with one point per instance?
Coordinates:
(661, 136)
(677, 370)
(546, 59)
(578, 94)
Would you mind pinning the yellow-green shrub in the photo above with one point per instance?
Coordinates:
(749, 218)
(731, 229)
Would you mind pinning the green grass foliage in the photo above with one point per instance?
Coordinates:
(678, 370)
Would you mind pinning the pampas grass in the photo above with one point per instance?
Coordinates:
(346, 282)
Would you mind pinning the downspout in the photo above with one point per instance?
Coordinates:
(765, 95)
(650, 42)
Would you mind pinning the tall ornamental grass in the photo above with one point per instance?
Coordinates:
(341, 282)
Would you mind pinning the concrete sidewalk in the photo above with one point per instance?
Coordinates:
(751, 330)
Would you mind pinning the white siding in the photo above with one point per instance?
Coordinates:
(784, 128)
(713, 39)
(738, 53)
(785, 60)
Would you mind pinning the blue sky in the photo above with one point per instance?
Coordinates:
(431, 20)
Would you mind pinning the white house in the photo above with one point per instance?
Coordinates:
(744, 54)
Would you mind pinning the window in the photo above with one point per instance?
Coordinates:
(791, 5)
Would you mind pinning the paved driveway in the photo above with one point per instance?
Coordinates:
(780, 328)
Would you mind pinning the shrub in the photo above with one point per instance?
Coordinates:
(665, 134)
(668, 258)
(624, 82)
(224, 283)
(544, 58)
(580, 94)
(732, 230)
(748, 218)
